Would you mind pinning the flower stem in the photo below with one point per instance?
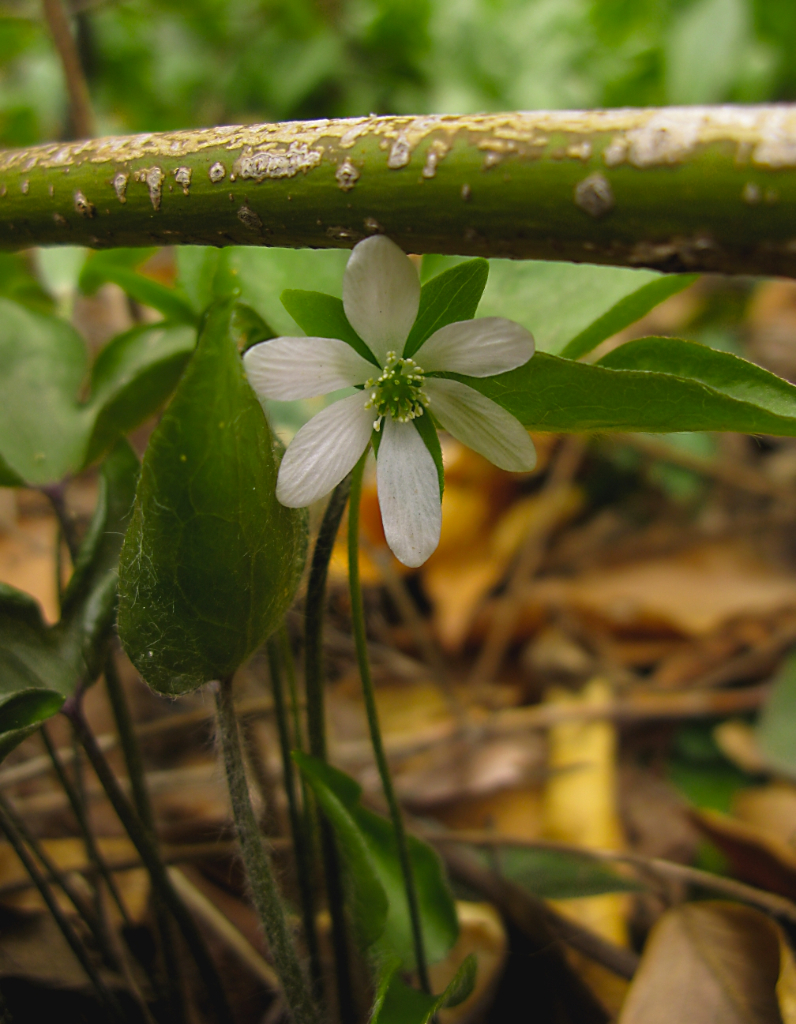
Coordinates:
(360, 639)
(316, 727)
(258, 867)
(147, 849)
(297, 824)
(313, 612)
(37, 877)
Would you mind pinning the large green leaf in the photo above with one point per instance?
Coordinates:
(264, 273)
(211, 560)
(46, 432)
(558, 302)
(368, 839)
(626, 312)
(18, 283)
(450, 296)
(60, 657)
(656, 384)
(397, 1003)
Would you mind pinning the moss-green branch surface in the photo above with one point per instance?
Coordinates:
(695, 188)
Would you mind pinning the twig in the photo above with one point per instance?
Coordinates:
(534, 917)
(80, 110)
(224, 929)
(773, 904)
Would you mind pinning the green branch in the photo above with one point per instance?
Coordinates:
(702, 188)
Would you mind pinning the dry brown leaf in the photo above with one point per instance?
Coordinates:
(481, 932)
(459, 577)
(692, 593)
(771, 808)
(708, 963)
(757, 857)
(513, 812)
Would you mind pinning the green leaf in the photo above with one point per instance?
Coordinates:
(336, 792)
(108, 261)
(450, 296)
(43, 362)
(211, 561)
(704, 50)
(263, 273)
(322, 316)
(337, 795)
(22, 713)
(248, 327)
(557, 302)
(668, 385)
(131, 379)
(43, 365)
(397, 1003)
(776, 725)
(62, 656)
(559, 875)
(117, 266)
(19, 284)
(626, 312)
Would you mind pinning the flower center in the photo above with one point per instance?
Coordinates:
(398, 392)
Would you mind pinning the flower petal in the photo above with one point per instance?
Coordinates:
(478, 348)
(381, 295)
(481, 424)
(409, 497)
(323, 451)
(289, 368)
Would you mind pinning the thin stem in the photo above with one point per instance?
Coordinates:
(80, 111)
(313, 611)
(147, 849)
(79, 811)
(170, 985)
(316, 727)
(289, 664)
(360, 639)
(258, 866)
(57, 876)
(64, 925)
(297, 823)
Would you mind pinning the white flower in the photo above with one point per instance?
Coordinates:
(381, 294)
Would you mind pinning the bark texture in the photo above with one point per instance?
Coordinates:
(702, 188)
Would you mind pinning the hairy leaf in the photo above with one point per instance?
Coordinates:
(626, 312)
(211, 560)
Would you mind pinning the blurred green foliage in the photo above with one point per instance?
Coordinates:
(162, 64)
